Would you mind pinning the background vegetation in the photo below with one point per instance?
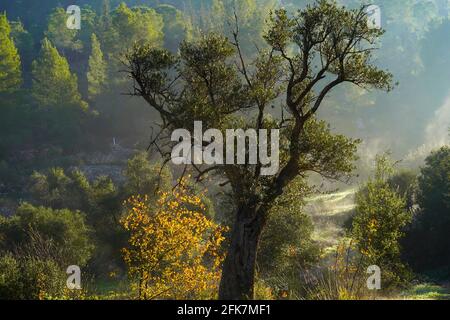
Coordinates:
(71, 143)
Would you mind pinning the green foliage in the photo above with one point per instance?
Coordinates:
(28, 278)
(377, 227)
(286, 244)
(427, 291)
(219, 15)
(100, 200)
(331, 155)
(142, 23)
(144, 178)
(176, 27)
(327, 15)
(119, 29)
(47, 234)
(73, 191)
(62, 37)
(89, 25)
(434, 184)
(405, 184)
(41, 279)
(427, 240)
(53, 83)
(97, 73)
(25, 44)
(10, 67)
(105, 30)
(70, 41)
(212, 81)
(214, 86)
(10, 284)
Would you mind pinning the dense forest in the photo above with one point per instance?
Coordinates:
(85, 122)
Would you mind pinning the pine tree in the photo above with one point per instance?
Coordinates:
(96, 75)
(53, 83)
(10, 66)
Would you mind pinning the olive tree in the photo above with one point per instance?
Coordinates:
(281, 87)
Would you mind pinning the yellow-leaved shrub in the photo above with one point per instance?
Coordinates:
(174, 250)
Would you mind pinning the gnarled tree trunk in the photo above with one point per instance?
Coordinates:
(238, 271)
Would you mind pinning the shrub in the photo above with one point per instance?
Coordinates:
(41, 279)
(377, 228)
(47, 234)
(286, 247)
(427, 242)
(174, 250)
(10, 285)
(30, 278)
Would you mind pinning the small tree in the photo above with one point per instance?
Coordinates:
(174, 249)
(53, 83)
(428, 240)
(10, 67)
(381, 215)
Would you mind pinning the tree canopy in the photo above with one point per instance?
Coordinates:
(10, 66)
(54, 85)
(219, 86)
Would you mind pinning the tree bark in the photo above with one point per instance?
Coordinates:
(238, 271)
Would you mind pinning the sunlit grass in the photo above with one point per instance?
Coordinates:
(427, 291)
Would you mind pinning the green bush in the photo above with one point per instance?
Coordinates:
(427, 241)
(30, 278)
(10, 284)
(42, 279)
(381, 216)
(72, 190)
(43, 233)
(287, 243)
(287, 248)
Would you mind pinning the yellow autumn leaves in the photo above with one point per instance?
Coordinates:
(174, 250)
